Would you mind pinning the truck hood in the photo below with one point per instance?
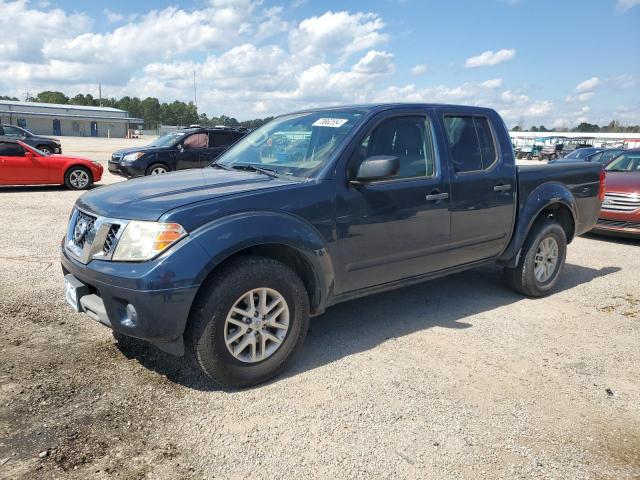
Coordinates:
(623, 182)
(147, 198)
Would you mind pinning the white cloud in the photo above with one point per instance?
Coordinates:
(587, 85)
(490, 58)
(26, 30)
(419, 70)
(625, 5)
(492, 83)
(375, 62)
(113, 17)
(581, 97)
(339, 33)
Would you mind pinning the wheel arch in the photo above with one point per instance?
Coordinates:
(279, 236)
(72, 165)
(550, 200)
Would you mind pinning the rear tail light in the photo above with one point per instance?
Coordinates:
(601, 191)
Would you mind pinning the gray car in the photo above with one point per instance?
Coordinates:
(44, 144)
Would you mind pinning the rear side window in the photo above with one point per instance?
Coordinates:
(220, 139)
(470, 142)
(11, 150)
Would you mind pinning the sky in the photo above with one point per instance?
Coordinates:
(548, 62)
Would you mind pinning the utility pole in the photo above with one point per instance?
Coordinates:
(100, 94)
(27, 96)
(195, 97)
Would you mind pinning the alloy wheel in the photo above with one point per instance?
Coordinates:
(256, 325)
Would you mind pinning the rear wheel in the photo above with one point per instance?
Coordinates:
(248, 322)
(45, 148)
(157, 169)
(541, 260)
(78, 178)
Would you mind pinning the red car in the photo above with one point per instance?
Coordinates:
(620, 213)
(21, 164)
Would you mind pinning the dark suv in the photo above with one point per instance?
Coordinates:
(193, 147)
(44, 144)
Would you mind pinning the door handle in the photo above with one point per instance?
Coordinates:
(437, 196)
(501, 188)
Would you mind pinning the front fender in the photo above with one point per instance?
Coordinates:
(542, 197)
(231, 234)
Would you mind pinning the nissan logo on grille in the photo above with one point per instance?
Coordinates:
(80, 230)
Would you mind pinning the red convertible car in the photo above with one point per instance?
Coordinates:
(21, 164)
(620, 212)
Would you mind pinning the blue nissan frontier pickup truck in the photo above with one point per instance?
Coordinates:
(227, 263)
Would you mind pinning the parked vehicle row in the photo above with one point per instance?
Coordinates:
(227, 263)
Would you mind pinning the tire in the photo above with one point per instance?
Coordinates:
(158, 168)
(78, 178)
(45, 148)
(208, 332)
(524, 277)
(529, 156)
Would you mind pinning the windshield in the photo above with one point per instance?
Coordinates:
(625, 162)
(295, 145)
(581, 152)
(167, 139)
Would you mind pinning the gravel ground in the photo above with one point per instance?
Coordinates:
(456, 378)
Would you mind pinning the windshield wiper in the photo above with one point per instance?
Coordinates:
(253, 168)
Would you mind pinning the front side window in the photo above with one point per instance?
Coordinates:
(409, 139)
(608, 155)
(197, 140)
(11, 150)
(316, 136)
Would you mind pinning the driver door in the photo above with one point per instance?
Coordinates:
(192, 147)
(16, 168)
(398, 227)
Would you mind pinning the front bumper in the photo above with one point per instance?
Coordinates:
(161, 292)
(127, 171)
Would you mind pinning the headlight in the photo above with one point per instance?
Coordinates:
(130, 157)
(145, 240)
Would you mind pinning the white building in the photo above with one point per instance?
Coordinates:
(75, 120)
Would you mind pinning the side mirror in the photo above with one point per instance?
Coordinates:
(377, 167)
(29, 155)
(180, 148)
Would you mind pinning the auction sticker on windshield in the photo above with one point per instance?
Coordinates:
(330, 122)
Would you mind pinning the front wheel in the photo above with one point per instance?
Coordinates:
(541, 260)
(78, 178)
(248, 322)
(45, 148)
(157, 169)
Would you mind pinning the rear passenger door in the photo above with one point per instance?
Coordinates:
(483, 186)
(219, 141)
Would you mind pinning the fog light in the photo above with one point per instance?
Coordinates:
(131, 320)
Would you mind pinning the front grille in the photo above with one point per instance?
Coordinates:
(110, 240)
(621, 202)
(92, 236)
(83, 227)
(617, 223)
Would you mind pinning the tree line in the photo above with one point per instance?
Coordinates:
(155, 113)
(150, 109)
(612, 127)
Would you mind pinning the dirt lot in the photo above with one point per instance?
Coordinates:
(456, 378)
